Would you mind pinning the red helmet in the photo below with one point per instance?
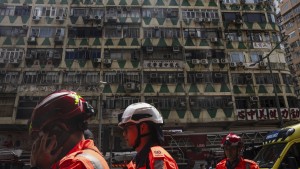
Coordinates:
(60, 105)
(232, 140)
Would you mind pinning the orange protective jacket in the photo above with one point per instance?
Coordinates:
(159, 158)
(243, 164)
(85, 155)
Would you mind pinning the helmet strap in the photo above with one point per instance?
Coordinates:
(139, 136)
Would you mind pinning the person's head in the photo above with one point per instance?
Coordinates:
(63, 114)
(141, 123)
(88, 134)
(232, 145)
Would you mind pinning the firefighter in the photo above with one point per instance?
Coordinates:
(141, 124)
(56, 126)
(232, 145)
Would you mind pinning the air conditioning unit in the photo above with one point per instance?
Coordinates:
(241, 64)
(57, 56)
(223, 60)
(176, 49)
(262, 64)
(233, 64)
(25, 27)
(215, 61)
(182, 104)
(179, 75)
(214, 40)
(14, 61)
(199, 75)
(60, 18)
(58, 38)
(88, 17)
(97, 17)
(254, 98)
(238, 21)
(204, 61)
(218, 75)
(36, 18)
(248, 77)
(129, 86)
(32, 39)
(107, 61)
(199, 20)
(111, 19)
(97, 60)
(149, 49)
(207, 19)
(195, 61)
(29, 56)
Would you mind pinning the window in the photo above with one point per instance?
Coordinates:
(230, 16)
(12, 31)
(129, 32)
(292, 34)
(11, 77)
(120, 102)
(254, 17)
(163, 77)
(198, 103)
(37, 11)
(121, 77)
(78, 12)
(7, 11)
(162, 33)
(233, 36)
(271, 18)
(22, 11)
(84, 32)
(293, 152)
(270, 102)
(287, 79)
(26, 106)
(229, 1)
(241, 78)
(237, 57)
(255, 56)
(113, 31)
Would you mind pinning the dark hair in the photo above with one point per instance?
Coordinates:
(157, 135)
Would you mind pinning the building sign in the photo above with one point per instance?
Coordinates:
(261, 45)
(267, 114)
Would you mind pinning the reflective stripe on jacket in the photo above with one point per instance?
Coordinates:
(85, 155)
(243, 164)
(159, 158)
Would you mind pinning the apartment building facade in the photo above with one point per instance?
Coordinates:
(289, 25)
(200, 62)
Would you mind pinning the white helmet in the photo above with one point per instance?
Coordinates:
(139, 112)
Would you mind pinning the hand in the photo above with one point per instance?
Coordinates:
(41, 155)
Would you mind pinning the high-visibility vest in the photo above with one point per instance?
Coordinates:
(243, 164)
(158, 158)
(83, 157)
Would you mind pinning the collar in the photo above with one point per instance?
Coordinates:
(78, 148)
